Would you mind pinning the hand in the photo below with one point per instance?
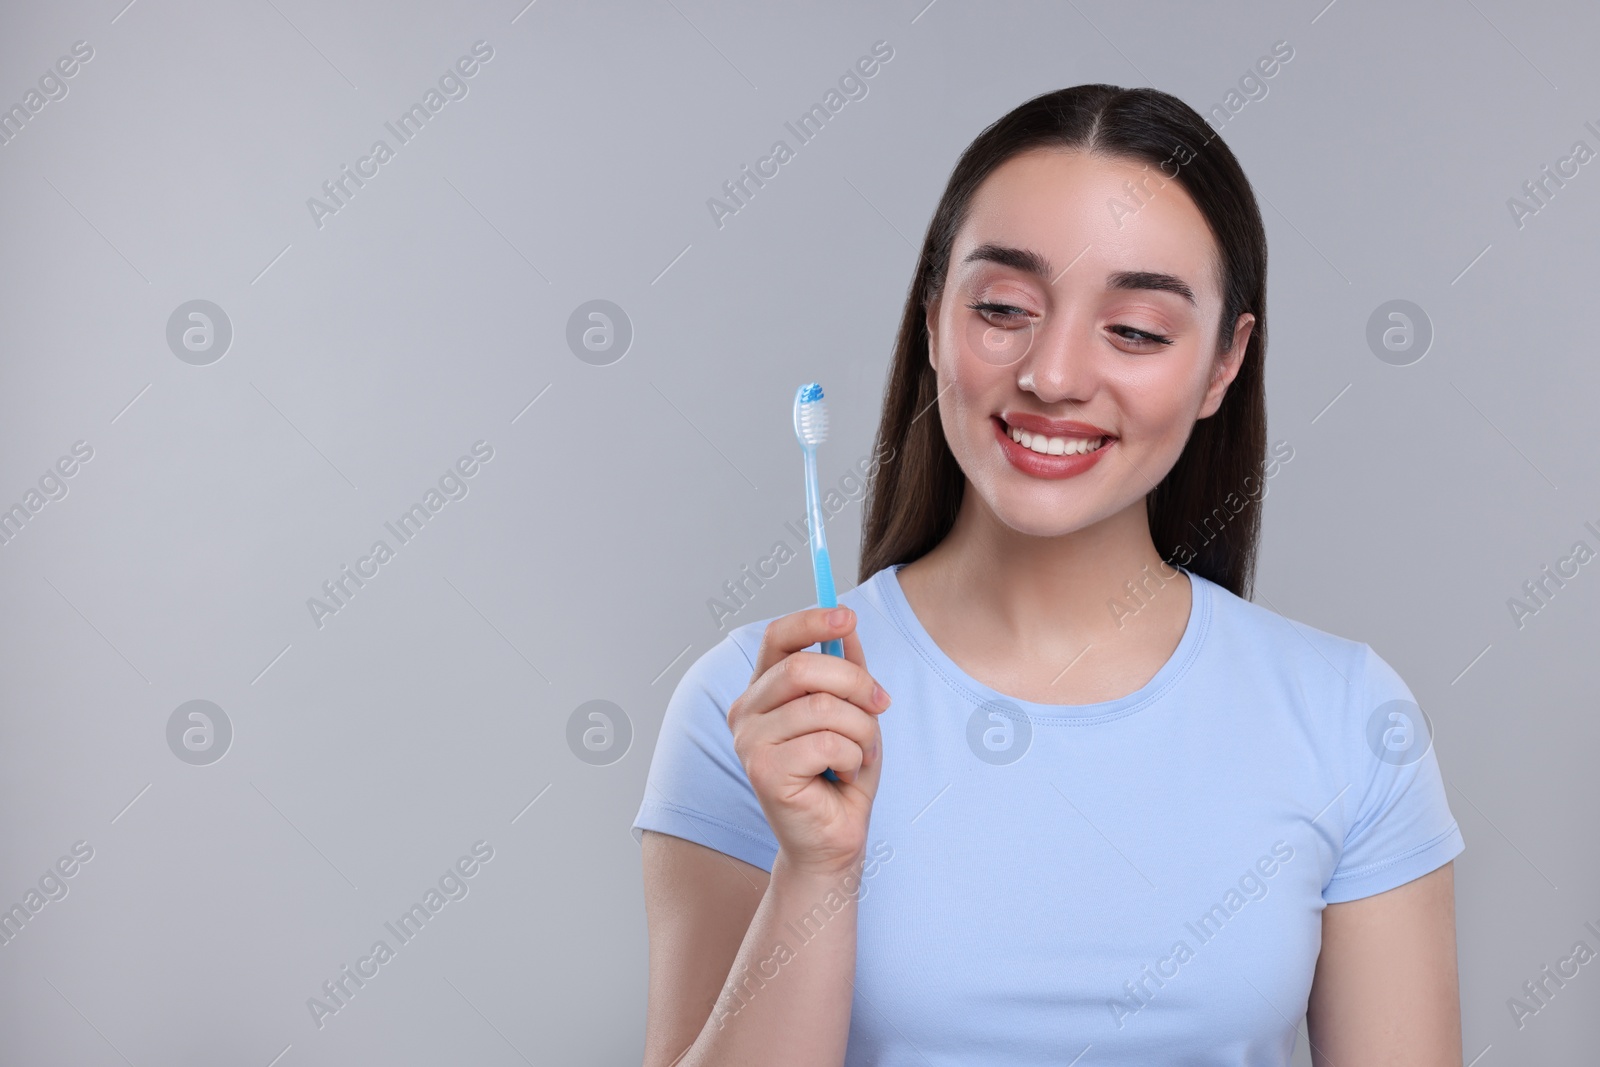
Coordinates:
(803, 713)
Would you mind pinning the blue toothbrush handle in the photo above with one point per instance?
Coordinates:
(823, 568)
(832, 648)
(821, 563)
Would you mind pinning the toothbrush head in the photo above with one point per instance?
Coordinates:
(810, 415)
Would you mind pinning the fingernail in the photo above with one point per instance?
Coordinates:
(879, 697)
(837, 616)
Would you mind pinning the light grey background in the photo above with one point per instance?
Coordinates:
(431, 712)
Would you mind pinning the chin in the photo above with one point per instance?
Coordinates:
(1046, 511)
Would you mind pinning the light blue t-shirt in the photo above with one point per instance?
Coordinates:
(1132, 882)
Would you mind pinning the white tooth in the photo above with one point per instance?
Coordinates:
(1054, 446)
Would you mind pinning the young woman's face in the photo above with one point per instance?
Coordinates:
(1098, 307)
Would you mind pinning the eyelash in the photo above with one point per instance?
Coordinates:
(1143, 336)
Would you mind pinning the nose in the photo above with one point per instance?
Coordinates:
(1061, 363)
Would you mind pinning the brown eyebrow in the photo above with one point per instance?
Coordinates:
(1144, 279)
(1032, 262)
(1023, 259)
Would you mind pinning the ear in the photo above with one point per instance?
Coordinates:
(1227, 366)
(930, 325)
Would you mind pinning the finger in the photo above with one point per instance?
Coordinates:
(812, 713)
(800, 673)
(796, 631)
(808, 755)
(852, 648)
(872, 760)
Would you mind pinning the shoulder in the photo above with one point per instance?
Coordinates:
(1354, 706)
(1340, 685)
(722, 671)
(1370, 730)
(1308, 652)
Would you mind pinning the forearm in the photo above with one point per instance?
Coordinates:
(788, 995)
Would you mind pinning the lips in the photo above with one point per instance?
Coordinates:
(1022, 420)
(1042, 464)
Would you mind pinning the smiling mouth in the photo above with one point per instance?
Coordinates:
(1052, 446)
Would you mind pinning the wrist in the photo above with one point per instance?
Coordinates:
(817, 876)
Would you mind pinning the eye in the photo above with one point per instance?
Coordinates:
(1139, 338)
(1003, 315)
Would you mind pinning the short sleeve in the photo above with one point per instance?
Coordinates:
(1399, 822)
(697, 788)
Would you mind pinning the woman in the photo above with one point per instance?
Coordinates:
(1116, 811)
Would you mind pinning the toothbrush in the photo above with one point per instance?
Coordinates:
(811, 429)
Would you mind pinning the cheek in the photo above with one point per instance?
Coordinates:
(967, 390)
(958, 405)
(1160, 399)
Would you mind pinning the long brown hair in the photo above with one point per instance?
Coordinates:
(912, 502)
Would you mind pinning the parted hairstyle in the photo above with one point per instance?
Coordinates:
(1205, 514)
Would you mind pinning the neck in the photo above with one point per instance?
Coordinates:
(1040, 593)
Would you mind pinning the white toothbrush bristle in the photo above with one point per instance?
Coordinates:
(811, 421)
(810, 415)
